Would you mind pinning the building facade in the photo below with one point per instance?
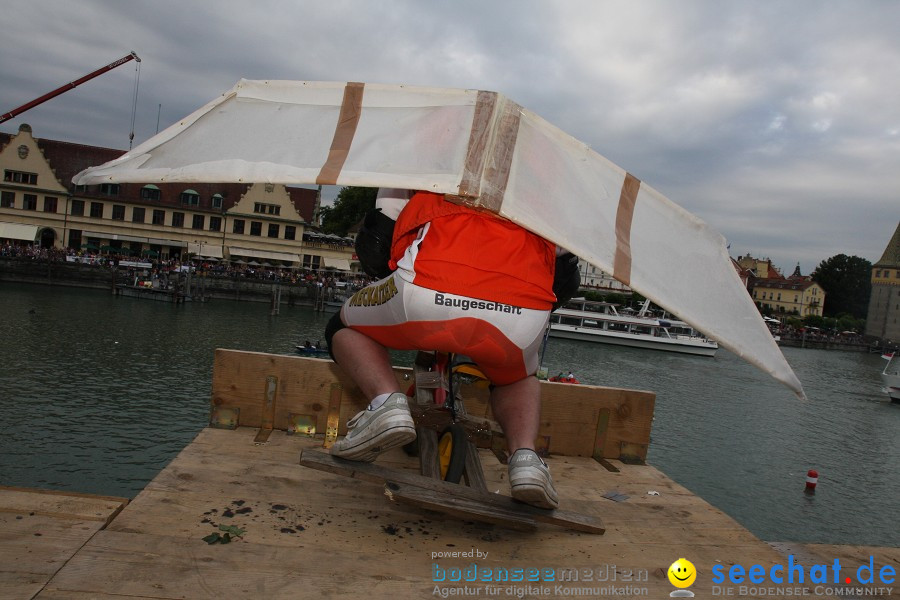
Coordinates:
(262, 223)
(798, 295)
(593, 278)
(883, 317)
(789, 297)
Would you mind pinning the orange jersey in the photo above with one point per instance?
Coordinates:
(472, 253)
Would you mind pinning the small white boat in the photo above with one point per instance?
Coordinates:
(891, 376)
(581, 319)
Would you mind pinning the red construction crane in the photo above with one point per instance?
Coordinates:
(68, 86)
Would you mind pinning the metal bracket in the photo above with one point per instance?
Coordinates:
(334, 416)
(267, 419)
(222, 417)
(301, 425)
(631, 453)
(600, 437)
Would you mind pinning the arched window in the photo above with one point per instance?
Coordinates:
(150, 192)
(190, 198)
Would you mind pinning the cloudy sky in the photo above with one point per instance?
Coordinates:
(778, 123)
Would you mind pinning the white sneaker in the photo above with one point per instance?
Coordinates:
(372, 432)
(529, 480)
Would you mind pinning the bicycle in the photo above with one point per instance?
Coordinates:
(441, 418)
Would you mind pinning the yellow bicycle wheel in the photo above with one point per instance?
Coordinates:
(452, 452)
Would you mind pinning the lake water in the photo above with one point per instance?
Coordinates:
(99, 393)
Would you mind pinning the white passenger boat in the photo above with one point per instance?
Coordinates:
(581, 319)
(891, 376)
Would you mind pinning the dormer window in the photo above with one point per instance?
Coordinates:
(190, 198)
(150, 192)
(217, 201)
(109, 189)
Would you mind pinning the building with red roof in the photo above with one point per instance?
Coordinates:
(223, 221)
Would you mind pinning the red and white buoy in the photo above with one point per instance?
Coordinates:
(812, 478)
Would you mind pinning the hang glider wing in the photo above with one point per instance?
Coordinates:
(478, 148)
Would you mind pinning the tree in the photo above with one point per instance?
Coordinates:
(350, 206)
(847, 284)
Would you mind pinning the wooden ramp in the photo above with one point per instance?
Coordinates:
(308, 533)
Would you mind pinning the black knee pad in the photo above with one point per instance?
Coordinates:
(334, 325)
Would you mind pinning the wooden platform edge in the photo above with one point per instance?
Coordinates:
(55, 495)
(381, 475)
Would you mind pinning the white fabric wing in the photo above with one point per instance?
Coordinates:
(480, 149)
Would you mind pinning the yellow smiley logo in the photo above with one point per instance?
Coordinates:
(682, 573)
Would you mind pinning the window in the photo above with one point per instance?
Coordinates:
(20, 177)
(150, 192)
(159, 216)
(177, 219)
(109, 189)
(311, 261)
(77, 208)
(8, 200)
(197, 222)
(238, 226)
(97, 210)
(255, 228)
(50, 204)
(190, 198)
(215, 223)
(118, 212)
(217, 201)
(266, 209)
(290, 232)
(29, 202)
(273, 230)
(138, 214)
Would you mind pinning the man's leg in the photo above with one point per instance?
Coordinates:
(517, 408)
(387, 423)
(366, 361)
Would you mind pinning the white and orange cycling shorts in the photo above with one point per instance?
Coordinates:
(504, 340)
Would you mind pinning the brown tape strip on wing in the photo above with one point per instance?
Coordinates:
(470, 186)
(624, 216)
(492, 142)
(499, 163)
(351, 110)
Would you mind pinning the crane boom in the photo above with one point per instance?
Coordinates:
(68, 86)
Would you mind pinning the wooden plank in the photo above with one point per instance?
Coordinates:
(60, 504)
(462, 508)
(474, 472)
(377, 474)
(429, 464)
(304, 386)
(42, 530)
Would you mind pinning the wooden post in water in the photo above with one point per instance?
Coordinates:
(276, 298)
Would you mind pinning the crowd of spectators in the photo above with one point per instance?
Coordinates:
(157, 267)
(815, 334)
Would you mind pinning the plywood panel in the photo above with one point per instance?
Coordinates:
(570, 417)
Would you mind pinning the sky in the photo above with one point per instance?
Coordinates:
(776, 122)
